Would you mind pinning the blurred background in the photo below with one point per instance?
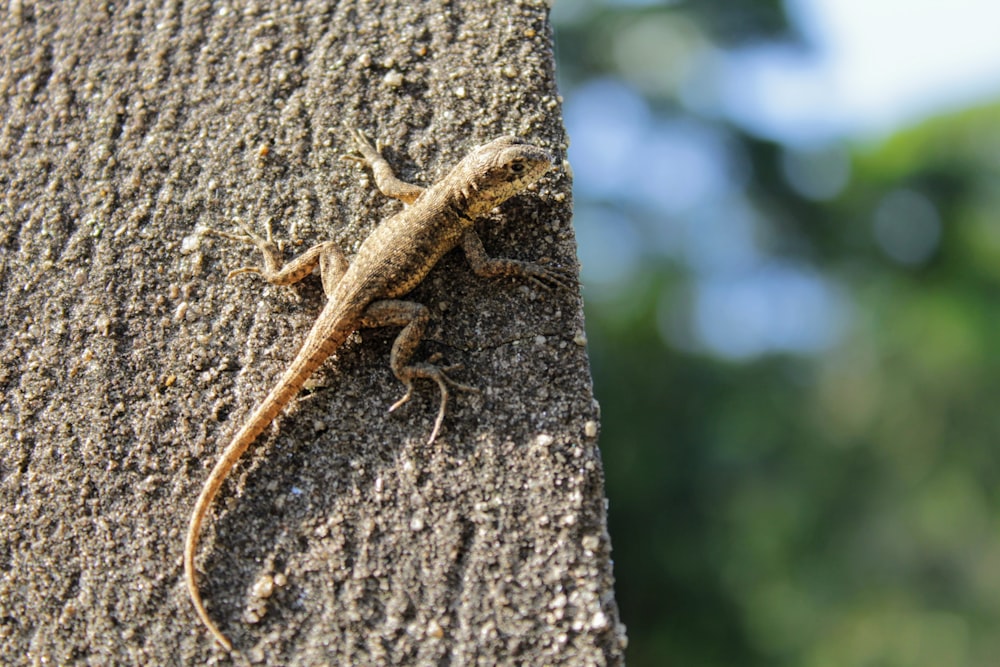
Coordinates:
(789, 222)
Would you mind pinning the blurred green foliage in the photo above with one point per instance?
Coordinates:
(830, 507)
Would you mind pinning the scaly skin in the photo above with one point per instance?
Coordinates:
(392, 261)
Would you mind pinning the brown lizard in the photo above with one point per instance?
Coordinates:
(390, 262)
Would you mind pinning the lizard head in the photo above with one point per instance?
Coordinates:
(496, 171)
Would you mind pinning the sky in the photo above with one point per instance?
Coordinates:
(876, 66)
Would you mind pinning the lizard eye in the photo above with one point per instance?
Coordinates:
(517, 167)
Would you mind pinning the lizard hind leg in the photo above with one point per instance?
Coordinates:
(413, 317)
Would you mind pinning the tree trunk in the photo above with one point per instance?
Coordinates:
(127, 358)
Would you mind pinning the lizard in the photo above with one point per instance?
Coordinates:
(363, 293)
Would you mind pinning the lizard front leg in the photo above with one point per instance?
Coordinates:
(413, 317)
(489, 267)
(331, 261)
(385, 179)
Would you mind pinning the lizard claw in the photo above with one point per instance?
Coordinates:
(549, 277)
(362, 145)
(405, 399)
(560, 278)
(247, 237)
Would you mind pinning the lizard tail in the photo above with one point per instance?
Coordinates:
(318, 346)
(253, 427)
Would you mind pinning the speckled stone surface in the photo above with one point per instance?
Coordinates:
(126, 358)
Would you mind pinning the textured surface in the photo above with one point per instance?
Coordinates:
(124, 353)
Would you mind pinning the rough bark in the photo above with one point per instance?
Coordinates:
(127, 358)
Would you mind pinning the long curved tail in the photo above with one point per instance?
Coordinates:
(262, 416)
(319, 345)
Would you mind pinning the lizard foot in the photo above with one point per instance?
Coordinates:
(267, 247)
(548, 277)
(369, 154)
(439, 375)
